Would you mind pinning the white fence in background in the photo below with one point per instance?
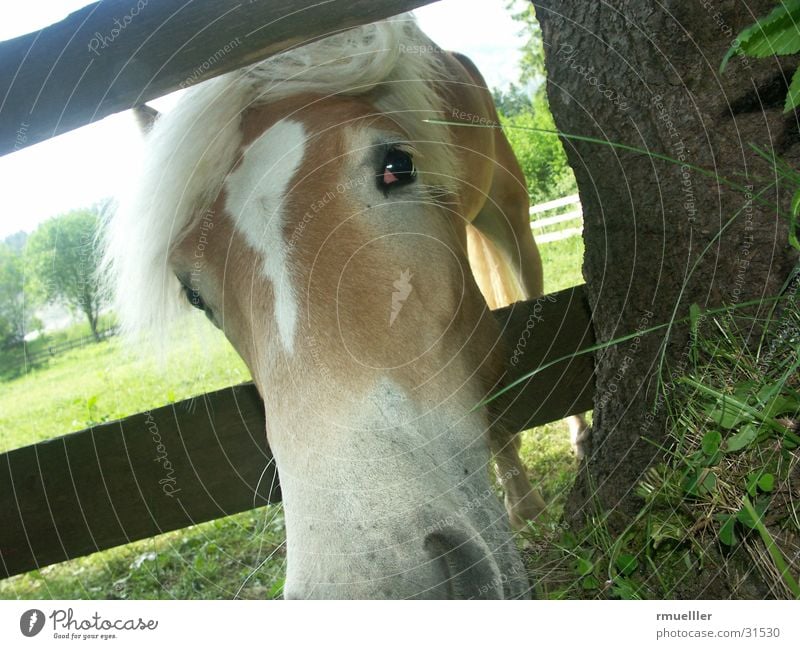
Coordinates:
(541, 223)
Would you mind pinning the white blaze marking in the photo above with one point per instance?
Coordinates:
(255, 194)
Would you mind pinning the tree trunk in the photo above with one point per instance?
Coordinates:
(92, 314)
(646, 74)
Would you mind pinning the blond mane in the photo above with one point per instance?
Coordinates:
(192, 148)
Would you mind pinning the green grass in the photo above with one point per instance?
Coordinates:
(547, 454)
(238, 556)
(16, 360)
(562, 261)
(105, 381)
(724, 499)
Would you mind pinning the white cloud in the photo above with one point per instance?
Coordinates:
(481, 29)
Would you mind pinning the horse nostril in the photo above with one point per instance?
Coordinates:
(469, 569)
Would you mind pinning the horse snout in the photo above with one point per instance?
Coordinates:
(468, 566)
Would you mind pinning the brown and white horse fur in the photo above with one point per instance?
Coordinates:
(370, 414)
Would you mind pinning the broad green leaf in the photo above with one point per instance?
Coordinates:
(584, 567)
(625, 589)
(776, 33)
(781, 404)
(768, 391)
(697, 459)
(792, 102)
(743, 390)
(744, 517)
(590, 583)
(627, 564)
(727, 531)
(752, 484)
(727, 415)
(711, 442)
(785, 40)
(746, 435)
(709, 482)
(766, 482)
(700, 482)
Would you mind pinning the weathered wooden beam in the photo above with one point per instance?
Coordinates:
(111, 484)
(538, 332)
(112, 55)
(163, 470)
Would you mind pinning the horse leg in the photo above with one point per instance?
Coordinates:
(523, 502)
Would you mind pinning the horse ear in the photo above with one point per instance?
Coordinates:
(145, 116)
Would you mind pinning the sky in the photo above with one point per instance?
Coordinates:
(88, 164)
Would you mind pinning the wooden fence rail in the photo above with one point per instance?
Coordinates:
(86, 67)
(207, 457)
(52, 350)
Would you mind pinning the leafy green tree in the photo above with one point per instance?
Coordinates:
(63, 256)
(532, 63)
(513, 101)
(540, 154)
(13, 314)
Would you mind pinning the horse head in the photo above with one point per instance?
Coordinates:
(309, 210)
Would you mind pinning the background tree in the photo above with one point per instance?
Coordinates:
(13, 312)
(63, 256)
(524, 110)
(539, 153)
(661, 236)
(531, 65)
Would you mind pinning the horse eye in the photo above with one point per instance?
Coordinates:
(397, 169)
(194, 298)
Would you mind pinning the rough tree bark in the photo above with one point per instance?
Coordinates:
(646, 74)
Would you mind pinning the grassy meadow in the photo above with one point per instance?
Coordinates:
(238, 556)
